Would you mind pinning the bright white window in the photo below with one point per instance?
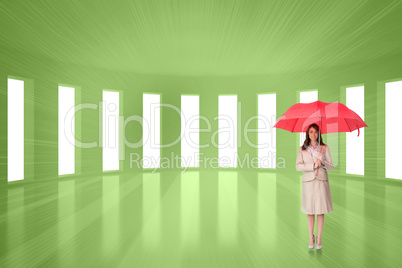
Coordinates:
(110, 132)
(266, 131)
(354, 143)
(227, 123)
(66, 130)
(151, 130)
(190, 113)
(15, 129)
(393, 128)
(307, 97)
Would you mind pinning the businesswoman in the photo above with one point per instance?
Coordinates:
(314, 159)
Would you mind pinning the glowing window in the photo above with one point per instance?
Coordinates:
(393, 127)
(66, 130)
(15, 129)
(354, 143)
(110, 134)
(227, 122)
(266, 131)
(307, 97)
(151, 131)
(190, 123)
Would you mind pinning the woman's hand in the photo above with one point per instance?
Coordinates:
(317, 163)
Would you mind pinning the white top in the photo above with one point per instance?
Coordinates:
(313, 151)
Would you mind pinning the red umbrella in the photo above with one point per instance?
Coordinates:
(330, 117)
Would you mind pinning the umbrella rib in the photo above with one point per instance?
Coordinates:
(295, 124)
(347, 123)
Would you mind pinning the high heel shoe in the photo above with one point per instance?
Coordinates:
(319, 247)
(311, 247)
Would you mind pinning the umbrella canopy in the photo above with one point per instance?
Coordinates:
(330, 117)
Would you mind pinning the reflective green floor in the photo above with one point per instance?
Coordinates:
(196, 219)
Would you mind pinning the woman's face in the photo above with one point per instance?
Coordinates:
(313, 134)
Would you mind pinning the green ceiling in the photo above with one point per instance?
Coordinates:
(187, 37)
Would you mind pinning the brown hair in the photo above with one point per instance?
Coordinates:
(307, 140)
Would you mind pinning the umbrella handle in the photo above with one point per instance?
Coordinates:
(318, 168)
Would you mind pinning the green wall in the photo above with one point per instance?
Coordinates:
(43, 77)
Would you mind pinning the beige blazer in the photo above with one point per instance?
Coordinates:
(305, 163)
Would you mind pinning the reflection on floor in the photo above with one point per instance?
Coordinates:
(214, 218)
